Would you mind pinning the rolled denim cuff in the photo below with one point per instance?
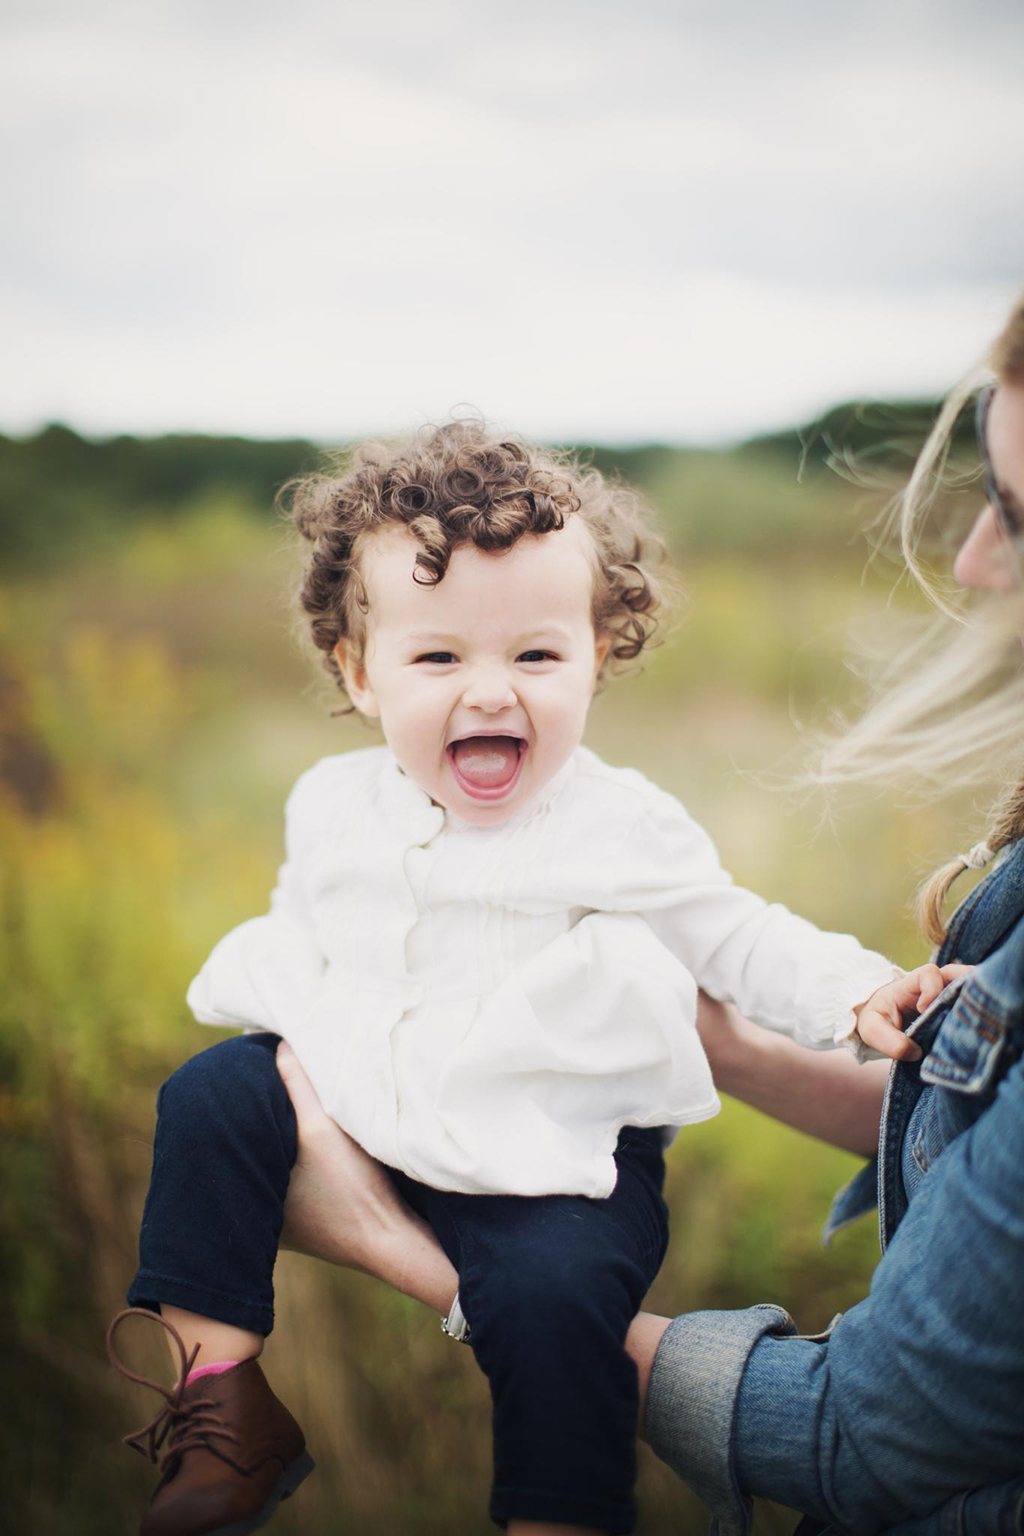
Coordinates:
(691, 1403)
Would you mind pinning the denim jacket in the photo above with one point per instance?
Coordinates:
(965, 1051)
(711, 1367)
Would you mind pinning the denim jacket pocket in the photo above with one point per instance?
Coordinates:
(957, 1077)
(966, 1053)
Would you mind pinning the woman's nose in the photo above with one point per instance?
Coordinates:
(491, 690)
(986, 559)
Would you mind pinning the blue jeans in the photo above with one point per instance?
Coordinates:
(223, 1153)
(549, 1285)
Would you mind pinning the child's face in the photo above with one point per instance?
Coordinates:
(481, 683)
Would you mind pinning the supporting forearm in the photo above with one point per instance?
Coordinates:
(412, 1261)
(343, 1207)
(824, 1094)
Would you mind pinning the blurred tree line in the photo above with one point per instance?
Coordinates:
(61, 493)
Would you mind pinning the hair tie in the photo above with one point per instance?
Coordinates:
(978, 856)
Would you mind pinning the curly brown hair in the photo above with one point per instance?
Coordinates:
(458, 484)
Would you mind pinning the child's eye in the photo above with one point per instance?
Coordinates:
(440, 658)
(537, 656)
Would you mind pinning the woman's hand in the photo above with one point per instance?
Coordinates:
(340, 1202)
(881, 1020)
(342, 1206)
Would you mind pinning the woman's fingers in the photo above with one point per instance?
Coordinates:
(309, 1111)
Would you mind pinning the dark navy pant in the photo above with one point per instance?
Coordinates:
(549, 1285)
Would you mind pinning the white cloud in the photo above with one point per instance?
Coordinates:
(327, 220)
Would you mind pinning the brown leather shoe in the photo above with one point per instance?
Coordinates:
(233, 1452)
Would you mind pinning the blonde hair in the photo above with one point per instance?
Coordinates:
(961, 684)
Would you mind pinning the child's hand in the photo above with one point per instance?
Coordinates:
(880, 1020)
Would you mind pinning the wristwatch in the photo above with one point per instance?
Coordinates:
(455, 1324)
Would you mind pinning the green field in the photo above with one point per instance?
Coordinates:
(156, 708)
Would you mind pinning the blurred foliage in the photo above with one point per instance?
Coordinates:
(869, 431)
(153, 713)
(62, 494)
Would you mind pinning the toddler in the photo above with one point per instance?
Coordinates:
(484, 947)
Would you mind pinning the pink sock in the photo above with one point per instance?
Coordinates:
(211, 1370)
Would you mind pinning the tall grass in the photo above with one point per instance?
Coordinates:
(155, 712)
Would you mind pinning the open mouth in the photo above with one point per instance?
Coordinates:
(487, 767)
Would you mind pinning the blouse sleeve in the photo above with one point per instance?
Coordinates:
(779, 969)
(263, 973)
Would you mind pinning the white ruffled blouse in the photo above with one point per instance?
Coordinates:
(485, 1008)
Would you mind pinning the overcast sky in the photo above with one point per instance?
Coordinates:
(597, 219)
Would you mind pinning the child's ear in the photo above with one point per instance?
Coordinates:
(357, 682)
(602, 645)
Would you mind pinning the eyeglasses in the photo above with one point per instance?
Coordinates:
(1009, 518)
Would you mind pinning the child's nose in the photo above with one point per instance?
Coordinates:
(491, 690)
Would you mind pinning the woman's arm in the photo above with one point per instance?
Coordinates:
(825, 1094)
(342, 1206)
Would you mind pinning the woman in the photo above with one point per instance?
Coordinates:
(908, 1416)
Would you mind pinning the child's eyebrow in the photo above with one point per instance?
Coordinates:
(552, 631)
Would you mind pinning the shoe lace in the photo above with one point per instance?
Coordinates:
(183, 1425)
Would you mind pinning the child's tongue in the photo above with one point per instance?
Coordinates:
(486, 762)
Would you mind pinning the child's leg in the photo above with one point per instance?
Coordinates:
(222, 1155)
(223, 1152)
(217, 1342)
(550, 1287)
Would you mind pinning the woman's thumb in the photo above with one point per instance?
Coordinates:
(300, 1089)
